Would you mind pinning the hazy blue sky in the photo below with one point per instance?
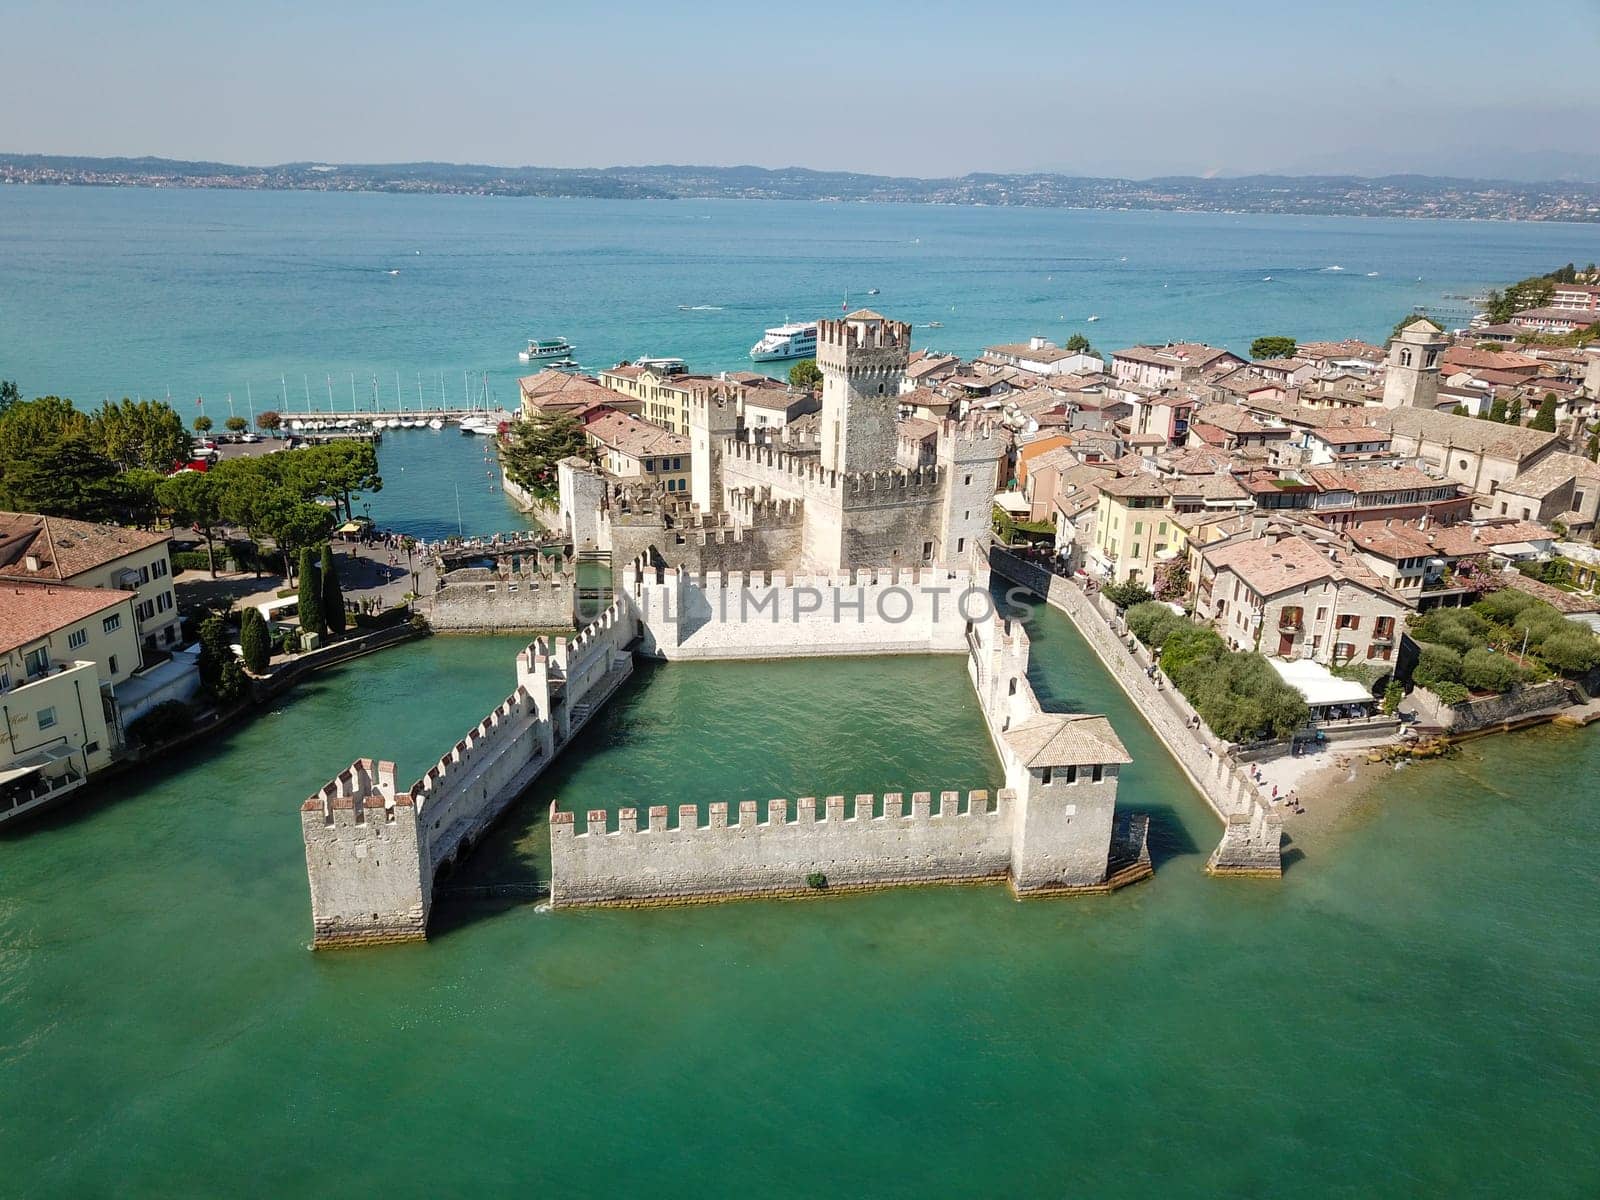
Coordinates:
(927, 88)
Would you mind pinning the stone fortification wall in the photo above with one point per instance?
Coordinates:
(1061, 830)
(372, 853)
(542, 595)
(780, 854)
(364, 858)
(1249, 846)
(686, 615)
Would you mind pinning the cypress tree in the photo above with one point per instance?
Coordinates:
(1514, 413)
(332, 594)
(1545, 418)
(310, 594)
(255, 641)
(1497, 410)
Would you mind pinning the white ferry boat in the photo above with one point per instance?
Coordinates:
(796, 340)
(539, 349)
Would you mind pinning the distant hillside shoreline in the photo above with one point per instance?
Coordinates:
(1409, 196)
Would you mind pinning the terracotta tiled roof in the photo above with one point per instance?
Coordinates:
(1066, 740)
(1467, 433)
(64, 548)
(635, 438)
(31, 611)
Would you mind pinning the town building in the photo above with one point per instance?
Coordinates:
(1287, 596)
(1040, 356)
(63, 649)
(1133, 529)
(561, 394)
(1172, 364)
(39, 549)
(638, 450)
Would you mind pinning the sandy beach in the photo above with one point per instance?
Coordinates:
(1325, 783)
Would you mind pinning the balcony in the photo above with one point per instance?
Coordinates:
(24, 784)
(1290, 623)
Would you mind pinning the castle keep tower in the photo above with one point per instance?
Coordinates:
(863, 360)
(1412, 377)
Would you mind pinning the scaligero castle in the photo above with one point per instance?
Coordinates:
(848, 545)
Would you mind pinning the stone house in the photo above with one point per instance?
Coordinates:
(1289, 597)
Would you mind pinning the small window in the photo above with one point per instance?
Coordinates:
(111, 664)
(46, 717)
(1072, 774)
(112, 623)
(1098, 773)
(159, 568)
(961, 545)
(1048, 774)
(77, 639)
(966, 481)
(36, 662)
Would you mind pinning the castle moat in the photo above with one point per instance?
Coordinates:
(1186, 1037)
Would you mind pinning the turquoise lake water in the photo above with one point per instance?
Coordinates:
(1410, 1012)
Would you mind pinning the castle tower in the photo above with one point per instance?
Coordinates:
(713, 416)
(1412, 378)
(969, 454)
(863, 361)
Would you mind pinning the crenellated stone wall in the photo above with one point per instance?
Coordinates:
(783, 853)
(1250, 846)
(373, 852)
(541, 594)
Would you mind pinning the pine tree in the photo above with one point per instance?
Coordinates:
(310, 594)
(332, 594)
(1545, 419)
(254, 641)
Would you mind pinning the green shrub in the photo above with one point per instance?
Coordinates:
(1152, 621)
(1450, 693)
(162, 723)
(332, 594)
(192, 560)
(255, 641)
(1483, 670)
(1237, 693)
(1571, 651)
(1437, 664)
(1393, 696)
(310, 594)
(1127, 594)
(1503, 605)
(816, 881)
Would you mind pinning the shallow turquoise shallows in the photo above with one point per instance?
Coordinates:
(1411, 1011)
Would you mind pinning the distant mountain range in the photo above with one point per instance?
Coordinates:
(1347, 195)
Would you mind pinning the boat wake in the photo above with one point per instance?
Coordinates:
(699, 308)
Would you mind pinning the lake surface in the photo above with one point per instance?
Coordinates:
(1411, 1011)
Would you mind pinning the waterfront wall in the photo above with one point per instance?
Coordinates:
(372, 880)
(1530, 700)
(1054, 827)
(540, 595)
(783, 853)
(1249, 846)
(710, 615)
